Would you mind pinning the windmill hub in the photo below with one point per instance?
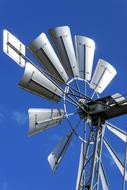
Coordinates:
(106, 108)
(91, 110)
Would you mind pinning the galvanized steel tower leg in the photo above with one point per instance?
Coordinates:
(99, 156)
(95, 155)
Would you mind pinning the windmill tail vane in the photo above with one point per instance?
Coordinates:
(65, 77)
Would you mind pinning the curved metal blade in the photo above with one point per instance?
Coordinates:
(103, 177)
(10, 43)
(85, 48)
(102, 76)
(44, 53)
(61, 37)
(118, 132)
(57, 154)
(115, 158)
(34, 81)
(43, 119)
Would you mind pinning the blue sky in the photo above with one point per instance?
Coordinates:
(23, 160)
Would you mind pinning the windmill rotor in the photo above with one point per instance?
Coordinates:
(65, 77)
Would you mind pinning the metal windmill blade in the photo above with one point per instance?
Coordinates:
(57, 154)
(85, 48)
(67, 76)
(35, 81)
(103, 75)
(44, 53)
(10, 45)
(43, 119)
(61, 37)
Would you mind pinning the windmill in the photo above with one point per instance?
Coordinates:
(65, 75)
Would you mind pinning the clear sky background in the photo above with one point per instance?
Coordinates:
(23, 160)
